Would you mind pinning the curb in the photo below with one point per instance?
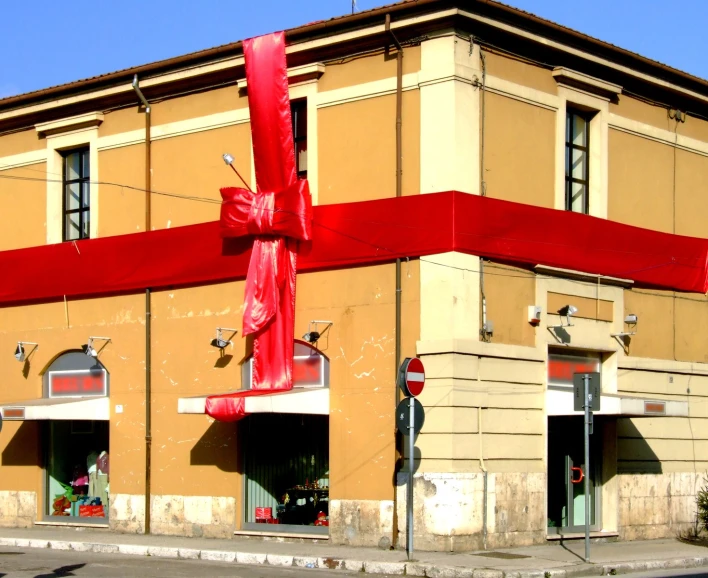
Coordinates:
(390, 568)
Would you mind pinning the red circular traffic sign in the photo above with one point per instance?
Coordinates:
(411, 376)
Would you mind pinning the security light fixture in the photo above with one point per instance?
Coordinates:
(20, 350)
(630, 320)
(229, 160)
(219, 342)
(90, 350)
(313, 335)
(566, 311)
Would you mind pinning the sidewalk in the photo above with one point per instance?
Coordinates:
(531, 562)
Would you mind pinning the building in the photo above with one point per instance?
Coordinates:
(493, 101)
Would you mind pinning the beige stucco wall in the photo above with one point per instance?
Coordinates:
(522, 73)
(357, 149)
(368, 68)
(122, 205)
(24, 205)
(519, 144)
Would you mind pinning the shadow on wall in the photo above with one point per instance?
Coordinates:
(24, 447)
(402, 465)
(217, 447)
(634, 454)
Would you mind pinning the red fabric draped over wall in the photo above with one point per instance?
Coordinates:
(356, 234)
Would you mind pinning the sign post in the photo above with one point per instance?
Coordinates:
(411, 379)
(587, 393)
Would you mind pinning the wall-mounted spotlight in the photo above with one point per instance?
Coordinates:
(219, 342)
(631, 322)
(90, 350)
(314, 333)
(229, 160)
(566, 311)
(20, 350)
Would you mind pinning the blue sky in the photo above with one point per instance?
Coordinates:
(45, 42)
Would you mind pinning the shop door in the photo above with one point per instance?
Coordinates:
(567, 472)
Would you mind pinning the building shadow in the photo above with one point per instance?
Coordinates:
(217, 447)
(634, 454)
(24, 447)
(61, 571)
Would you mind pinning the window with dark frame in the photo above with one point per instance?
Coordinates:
(577, 156)
(298, 110)
(77, 189)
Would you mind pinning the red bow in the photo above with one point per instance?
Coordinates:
(279, 215)
(277, 220)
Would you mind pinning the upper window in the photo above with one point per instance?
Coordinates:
(298, 109)
(77, 207)
(577, 152)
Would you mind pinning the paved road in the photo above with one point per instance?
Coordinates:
(40, 563)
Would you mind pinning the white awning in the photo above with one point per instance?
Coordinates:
(560, 402)
(307, 401)
(59, 408)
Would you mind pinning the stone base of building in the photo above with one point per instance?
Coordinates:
(193, 516)
(18, 509)
(653, 506)
(449, 510)
(361, 522)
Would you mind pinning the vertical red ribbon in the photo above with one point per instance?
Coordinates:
(269, 308)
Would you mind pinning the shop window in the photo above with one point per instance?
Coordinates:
(298, 111)
(287, 472)
(77, 469)
(76, 450)
(562, 366)
(310, 367)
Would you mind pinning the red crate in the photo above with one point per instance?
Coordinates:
(264, 513)
(91, 512)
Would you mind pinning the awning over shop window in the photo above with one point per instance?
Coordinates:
(307, 401)
(559, 401)
(97, 408)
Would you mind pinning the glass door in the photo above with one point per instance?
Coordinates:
(567, 472)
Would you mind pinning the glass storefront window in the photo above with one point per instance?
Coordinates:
(78, 470)
(287, 472)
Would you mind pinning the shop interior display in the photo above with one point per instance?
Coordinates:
(78, 470)
(287, 482)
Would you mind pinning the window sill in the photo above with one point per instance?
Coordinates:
(580, 535)
(100, 525)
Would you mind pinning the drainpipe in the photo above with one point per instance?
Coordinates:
(484, 471)
(399, 192)
(148, 311)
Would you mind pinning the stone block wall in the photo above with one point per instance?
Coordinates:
(18, 509)
(197, 516)
(657, 505)
(127, 513)
(449, 510)
(361, 522)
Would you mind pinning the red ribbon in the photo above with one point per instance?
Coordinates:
(278, 215)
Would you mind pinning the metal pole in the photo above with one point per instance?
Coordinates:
(409, 501)
(586, 405)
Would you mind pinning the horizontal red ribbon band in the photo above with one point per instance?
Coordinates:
(364, 233)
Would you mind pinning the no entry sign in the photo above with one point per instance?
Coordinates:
(411, 376)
